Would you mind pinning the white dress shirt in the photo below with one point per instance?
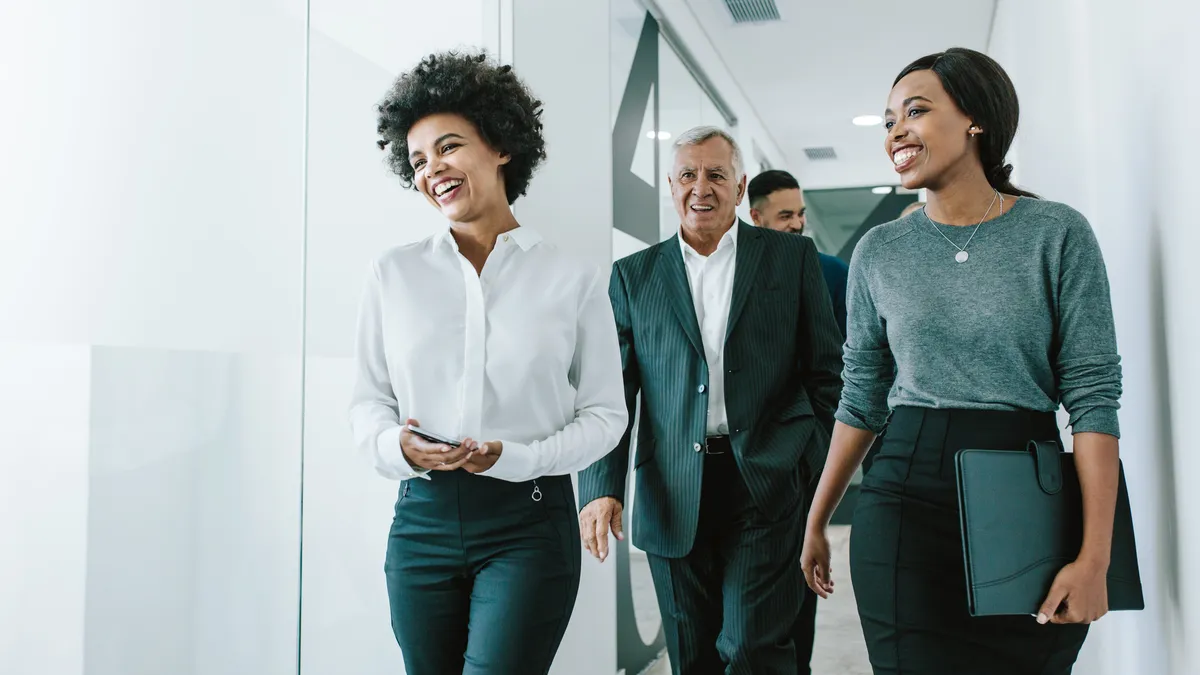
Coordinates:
(524, 353)
(711, 280)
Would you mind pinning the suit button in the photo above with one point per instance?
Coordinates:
(701, 389)
(697, 447)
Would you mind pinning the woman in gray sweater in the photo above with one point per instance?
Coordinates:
(970, 321)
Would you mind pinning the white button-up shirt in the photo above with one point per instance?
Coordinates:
(711, 280)
(524, 353)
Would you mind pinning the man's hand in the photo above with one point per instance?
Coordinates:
(595, 521)
(422, 454)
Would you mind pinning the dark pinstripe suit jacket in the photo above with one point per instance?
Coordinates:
(783, 361)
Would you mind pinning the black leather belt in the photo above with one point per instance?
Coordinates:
(717, 445)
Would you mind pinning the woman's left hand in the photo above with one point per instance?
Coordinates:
(1079, 595)
(484, 457)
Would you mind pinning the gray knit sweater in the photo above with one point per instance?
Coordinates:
(1025, 323)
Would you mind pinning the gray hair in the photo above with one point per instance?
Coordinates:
(698, 135)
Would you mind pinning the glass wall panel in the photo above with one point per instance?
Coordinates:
(150, 284)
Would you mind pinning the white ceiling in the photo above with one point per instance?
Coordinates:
(826, 62)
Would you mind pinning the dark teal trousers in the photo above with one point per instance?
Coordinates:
(729, 606)
(482, 574)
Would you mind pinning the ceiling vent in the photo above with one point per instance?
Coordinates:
(815, 154)
(753, 11)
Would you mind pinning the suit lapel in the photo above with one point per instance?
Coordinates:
(673, 276)
(749, 253)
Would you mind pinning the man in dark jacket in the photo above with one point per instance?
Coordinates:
(777, 203)
(727, 334)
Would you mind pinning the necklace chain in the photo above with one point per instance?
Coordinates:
(963, 249)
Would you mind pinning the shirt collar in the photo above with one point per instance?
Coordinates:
(521, 236)
(728, 239)
(524, 237)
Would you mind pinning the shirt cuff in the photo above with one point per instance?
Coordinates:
(515, 464)
(392, 459)
(1098, 420)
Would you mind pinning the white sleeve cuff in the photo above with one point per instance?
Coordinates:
(517, 463)
(390, 459)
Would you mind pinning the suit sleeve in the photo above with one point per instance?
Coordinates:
(606, 477)
(818, 348)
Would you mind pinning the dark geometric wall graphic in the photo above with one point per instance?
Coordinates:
(635, 212)
(887, 210)
(635, 204)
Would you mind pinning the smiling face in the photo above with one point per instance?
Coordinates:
(782, 210)
(456, 170)
(929, 140)
(705, 187)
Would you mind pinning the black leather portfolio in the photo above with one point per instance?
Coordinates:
(1022, 522)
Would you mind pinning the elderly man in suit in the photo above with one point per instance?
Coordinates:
(728, 335)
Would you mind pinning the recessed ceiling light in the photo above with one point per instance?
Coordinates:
(882, 190)
(867, 120)
(661, 135)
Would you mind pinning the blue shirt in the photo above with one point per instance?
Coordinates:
(836, 273)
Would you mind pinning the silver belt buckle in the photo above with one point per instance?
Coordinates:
(708, 448)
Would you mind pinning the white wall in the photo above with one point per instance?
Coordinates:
(150, 346)
(570, 202)
(1105, 92)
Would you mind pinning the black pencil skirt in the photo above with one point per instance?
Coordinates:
(906, 555)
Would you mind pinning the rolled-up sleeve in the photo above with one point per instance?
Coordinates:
(868, 367)
(1087, 366)
(600, 414)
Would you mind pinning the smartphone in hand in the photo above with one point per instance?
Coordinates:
(432, 437)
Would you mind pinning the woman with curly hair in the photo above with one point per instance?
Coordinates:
(481, 331)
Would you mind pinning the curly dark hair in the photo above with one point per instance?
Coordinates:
(490, 96)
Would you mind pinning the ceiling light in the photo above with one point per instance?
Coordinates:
(882, 190)
(660, 135)
(867, 120)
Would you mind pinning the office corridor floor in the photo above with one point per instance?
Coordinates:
(839, 648)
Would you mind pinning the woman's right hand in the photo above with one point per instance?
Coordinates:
(846, 451)
(422, 454)
(814, 560)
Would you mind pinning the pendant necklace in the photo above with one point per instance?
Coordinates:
(962, 254)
